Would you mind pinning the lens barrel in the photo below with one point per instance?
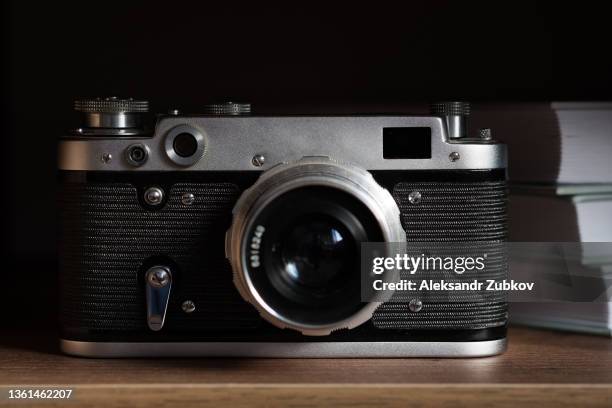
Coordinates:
(294, 244)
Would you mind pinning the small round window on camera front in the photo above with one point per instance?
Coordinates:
(184, 145)
(137, 154)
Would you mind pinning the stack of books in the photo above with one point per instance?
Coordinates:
(560, 170)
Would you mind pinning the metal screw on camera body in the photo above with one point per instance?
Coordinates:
(154, 196)
(187, 199)
(454, 156)
(414, 197)
(106, 157)
(258, 160)
(415, 305)
(188, 306)
(158, 277)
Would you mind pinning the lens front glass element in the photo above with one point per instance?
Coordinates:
(317, 252)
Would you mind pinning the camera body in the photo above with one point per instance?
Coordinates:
(231, 234)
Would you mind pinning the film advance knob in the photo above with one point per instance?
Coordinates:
(455, 114)
(112, 112)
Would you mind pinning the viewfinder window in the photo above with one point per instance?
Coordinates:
(407, 143)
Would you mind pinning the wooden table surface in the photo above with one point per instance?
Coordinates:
(540, 367)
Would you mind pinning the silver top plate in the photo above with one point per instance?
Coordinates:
(232, 142)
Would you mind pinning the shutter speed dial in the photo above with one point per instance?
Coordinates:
(227, 109)
(111, 116)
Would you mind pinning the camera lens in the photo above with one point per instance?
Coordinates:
(296, 238)
(310, 254)
(137, 154)
(185, 144)
(315, 252)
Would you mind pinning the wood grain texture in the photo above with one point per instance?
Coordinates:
(336, 395)
(542, 367)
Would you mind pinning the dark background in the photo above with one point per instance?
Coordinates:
(299, 56)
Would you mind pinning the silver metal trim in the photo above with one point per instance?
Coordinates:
(309, 171)
(285, 350)
(169, 145)
(107, 120)
(231, 143)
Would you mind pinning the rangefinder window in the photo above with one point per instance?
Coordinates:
(407, 143)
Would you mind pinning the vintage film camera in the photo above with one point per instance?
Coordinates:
(227, 233)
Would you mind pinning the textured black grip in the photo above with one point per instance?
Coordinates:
(107, 234)
(453, 212)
